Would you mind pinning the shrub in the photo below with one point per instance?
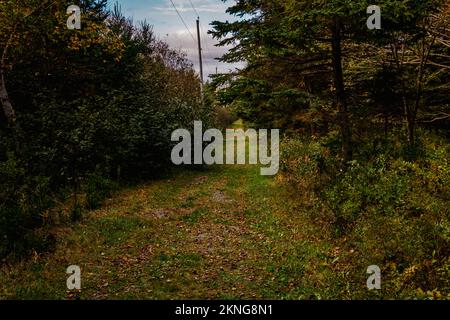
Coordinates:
(390, 210)
(223, 118)
(23, 203)
(97, 189)
(116, 112)
(305, 163)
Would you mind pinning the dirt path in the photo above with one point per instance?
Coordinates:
(221, 233)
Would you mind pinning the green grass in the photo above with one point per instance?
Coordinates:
(195, 216)
(174, 239)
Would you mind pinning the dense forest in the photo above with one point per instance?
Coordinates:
(83, 109)
(364, 115)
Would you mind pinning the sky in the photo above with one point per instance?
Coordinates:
(169, 27)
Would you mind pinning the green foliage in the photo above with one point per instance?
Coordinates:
(218, 115)
(392, 211)
(302, 162)
(93, 106)
(288, 80)
(97, 106)
(391, 202)
(97, 189)
(24, 202)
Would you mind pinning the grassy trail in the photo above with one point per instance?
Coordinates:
(223, 233)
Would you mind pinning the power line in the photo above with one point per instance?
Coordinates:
(182, 20)
(198, 15)
(199, 28)
(195, 10)
(204, 35)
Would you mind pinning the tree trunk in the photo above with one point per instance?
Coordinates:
(411, 126)
(386, 125)
(341, 99)
(8, 109)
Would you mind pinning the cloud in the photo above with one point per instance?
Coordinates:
(169, 27)
(182, 40)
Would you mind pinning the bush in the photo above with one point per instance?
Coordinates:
(110, 119)
(24, 200)
(97, 189)
(393, 212)
(305, 163)
(223, 118)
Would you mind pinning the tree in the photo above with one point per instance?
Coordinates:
(292, 46)
(94, 105)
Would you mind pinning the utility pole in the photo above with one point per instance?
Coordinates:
(200, 54)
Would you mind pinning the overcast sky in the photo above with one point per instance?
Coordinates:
(169, 27)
